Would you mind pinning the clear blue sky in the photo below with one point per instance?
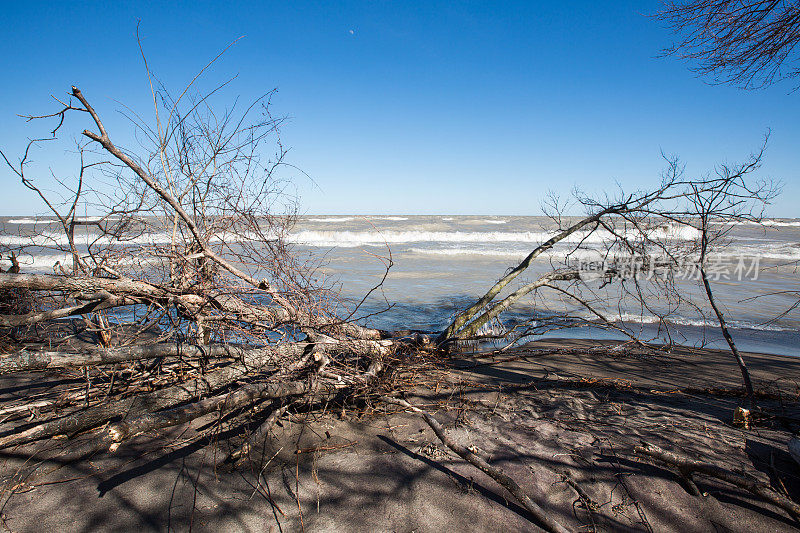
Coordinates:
(401, 107)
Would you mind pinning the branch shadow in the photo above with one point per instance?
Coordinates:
(463, 481)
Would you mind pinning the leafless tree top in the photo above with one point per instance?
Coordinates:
(747, 43)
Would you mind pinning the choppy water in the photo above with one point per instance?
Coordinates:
(443, 263)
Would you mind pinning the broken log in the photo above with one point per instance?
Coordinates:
(252, 358)
(143, 403)
(118, 432)
(745, 481)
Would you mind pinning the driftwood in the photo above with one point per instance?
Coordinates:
(123, 292)
(687, 466)
(141, 404)
(240, 320)
(466, 315)
(254, 358)
(240, 455)
(241, 397)
(252, 362)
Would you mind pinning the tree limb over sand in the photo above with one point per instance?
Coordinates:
(476, 459)
(687, 466)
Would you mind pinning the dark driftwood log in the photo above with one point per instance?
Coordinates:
(27, 319)
(254, 358)
(241, 397)
(139, 404)
(251, 361)
(472, 328)
(238, 457)
(687, 466)
(74, 284)
(546, 520)
(229, 306)
(41, 360)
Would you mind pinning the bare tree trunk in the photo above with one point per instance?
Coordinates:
(704, 213)
(252, 358)
(748, 385)
(465, 316)
(472, 328)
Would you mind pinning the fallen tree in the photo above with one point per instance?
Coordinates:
(187, 248)
(186, 244)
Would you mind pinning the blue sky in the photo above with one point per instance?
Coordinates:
(401, 107)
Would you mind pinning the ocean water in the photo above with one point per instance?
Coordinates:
(441, 264)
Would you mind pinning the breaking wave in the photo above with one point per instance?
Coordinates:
(468, 251)
(46, 263)
(730, 255)
(349, 219)
(366, 238)
(781, 224)
(776, 223)
(332, 219)
(698, 322)
(51, 238)
(27, 221)
(445, 243)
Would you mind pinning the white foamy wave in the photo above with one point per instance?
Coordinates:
(42, 220)
(467, 251)
(772, 250)
(447, 219)
(781, 224)
(574, 255)
(43, 239)
(776, 223)
(729, 257)
(28, 221)
(697, 322)
(788, 255)
(579, 255)
(493, 221)
(60, 239)
(366, 238)
(46, 263)
(349, 219)
(672, 232)
(51, 239)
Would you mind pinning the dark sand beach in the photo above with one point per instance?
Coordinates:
(538, 411)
